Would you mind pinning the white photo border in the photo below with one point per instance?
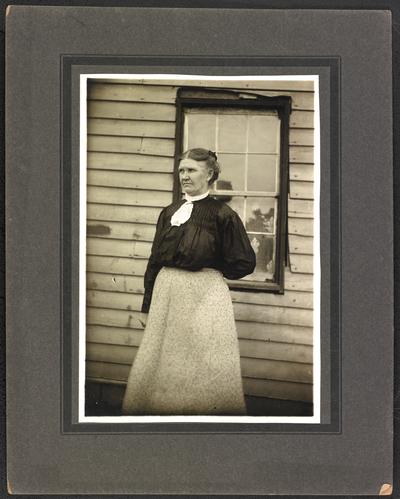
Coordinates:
(82, 418)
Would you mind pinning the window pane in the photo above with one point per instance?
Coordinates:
(235, 202)
(260, 215)
(261, 172)
(264, 248)
(200, 131)
(232, 172)
(232, 133)
(264, 134)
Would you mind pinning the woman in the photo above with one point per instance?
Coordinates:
(188, 361)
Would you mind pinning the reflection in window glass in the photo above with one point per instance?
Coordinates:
(262, 172)
(233, 170)
(264, 134)
(201, 131)
(235, 202)
(260, 214)
(265, 257)
(232, 133)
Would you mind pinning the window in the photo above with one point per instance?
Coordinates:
(250, 136)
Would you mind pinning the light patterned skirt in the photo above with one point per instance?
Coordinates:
(188, 361)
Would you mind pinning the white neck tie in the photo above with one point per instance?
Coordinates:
(184, 212)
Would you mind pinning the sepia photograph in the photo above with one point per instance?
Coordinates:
(193, 304)
(199, 259)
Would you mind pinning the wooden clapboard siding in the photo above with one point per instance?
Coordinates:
(301, 335)
(301, 208)
(106, 372)
(118, 301)
(295, 85)
(275, 351)
(116, 213)
(107, 160)
(298, 281)
(123, 311)
(131, 111)
(137, 128)
(118, 230)
(301, 137)
(274, 314)
(115, 354)
(250, 349)
(255, 368)
(116, 265)
(301, 244)
(301, 263)
(301, 226)
(133, 93)
(255, 363)
(154, 94)
(134, 284)
(114, 335)
(246, 329)
(118, 318)
(136, 145)
(108, 247)
(303, 173)
(131, 143)
(301, 154)
(259, 359)
(118, 335)
(261, 367)
(301, 119)
(294, 299)
(130, 197)
(301, 190)
(132, 180)
(166, 130)
(286, 313)
(300, 100)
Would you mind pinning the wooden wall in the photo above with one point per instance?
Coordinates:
(131, 128)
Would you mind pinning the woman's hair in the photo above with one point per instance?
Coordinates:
(209, 157)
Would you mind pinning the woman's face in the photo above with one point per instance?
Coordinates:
(194, 176)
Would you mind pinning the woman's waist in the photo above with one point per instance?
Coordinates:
(193, 262)
(177, 269)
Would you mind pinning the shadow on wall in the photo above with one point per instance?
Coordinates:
(106, 399)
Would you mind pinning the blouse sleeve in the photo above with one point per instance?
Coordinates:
(153, 267)
(239, 258)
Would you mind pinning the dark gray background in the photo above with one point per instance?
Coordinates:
(358, 460)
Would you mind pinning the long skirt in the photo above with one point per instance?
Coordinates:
(188, 361)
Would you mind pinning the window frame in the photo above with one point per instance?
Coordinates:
(197, 97)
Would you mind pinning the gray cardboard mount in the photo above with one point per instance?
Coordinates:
(43, 456)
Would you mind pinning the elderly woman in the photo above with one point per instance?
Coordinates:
(188, 361)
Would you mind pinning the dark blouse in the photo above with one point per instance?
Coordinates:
(214, 237)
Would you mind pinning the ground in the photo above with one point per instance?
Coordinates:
(105, 400)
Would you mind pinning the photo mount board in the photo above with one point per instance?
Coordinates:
(351, 451)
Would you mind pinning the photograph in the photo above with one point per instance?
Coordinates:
(196, 305)
(199, 251)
